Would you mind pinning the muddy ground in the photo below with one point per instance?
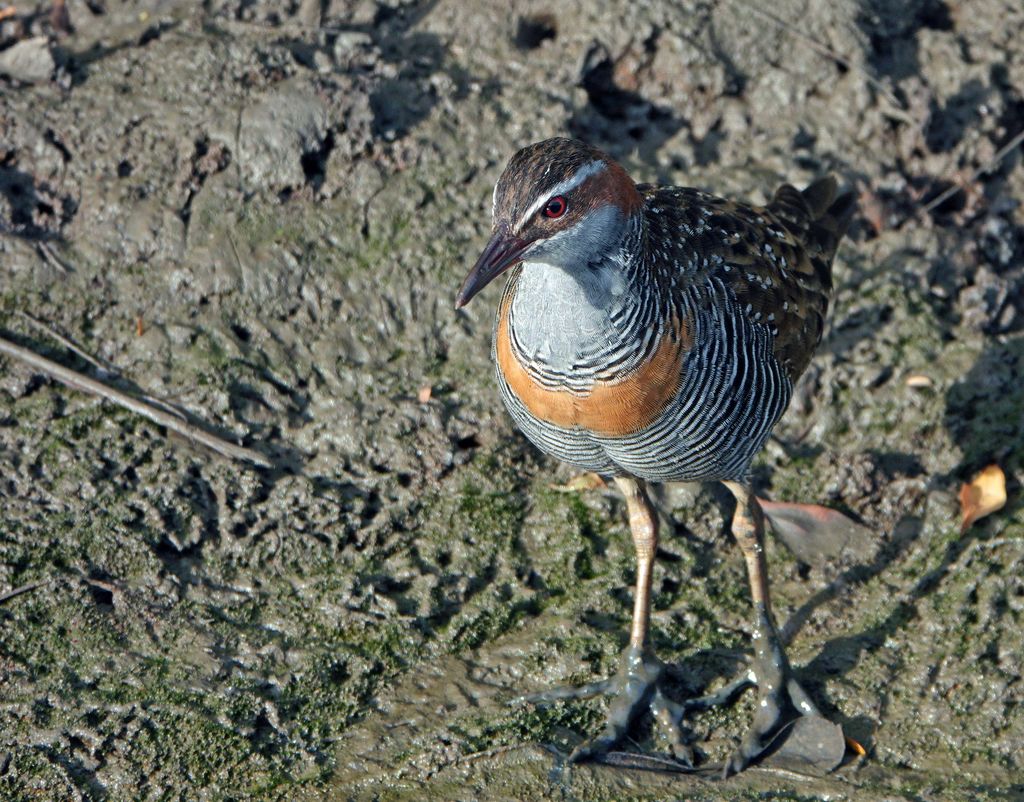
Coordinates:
(262, 211)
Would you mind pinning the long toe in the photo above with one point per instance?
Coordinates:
(669, 715)
(726, 695)
(634, 689)
(775, 709)
(788, 725)
(631, 696)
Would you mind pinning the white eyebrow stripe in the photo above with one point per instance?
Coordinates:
(581, 175)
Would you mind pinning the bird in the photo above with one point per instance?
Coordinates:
(650, 334)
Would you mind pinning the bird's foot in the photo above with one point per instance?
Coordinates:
(637, 686)
(788, 724)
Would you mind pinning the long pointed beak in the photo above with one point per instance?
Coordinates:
(502, 252)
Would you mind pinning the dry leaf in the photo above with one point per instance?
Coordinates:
(585, 481)
(10, 11)
(984, 494)
(424, 394)
(815, 534)
(855, 746)
(918, 380)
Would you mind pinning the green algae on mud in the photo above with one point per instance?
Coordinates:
(352, 624)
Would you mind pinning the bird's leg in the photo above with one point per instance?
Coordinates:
(643, 525)
(781, 700)
(636, 686)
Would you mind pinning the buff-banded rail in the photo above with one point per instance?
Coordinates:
(654, 334)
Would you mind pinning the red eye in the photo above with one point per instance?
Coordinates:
(556, 207)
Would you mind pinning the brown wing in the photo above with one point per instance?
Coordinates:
(776, 259)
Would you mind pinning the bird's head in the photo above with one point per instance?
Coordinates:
(560, 202)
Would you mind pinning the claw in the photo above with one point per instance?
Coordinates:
(668, 715)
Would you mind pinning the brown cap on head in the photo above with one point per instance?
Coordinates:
(547, 189)
(536, 172)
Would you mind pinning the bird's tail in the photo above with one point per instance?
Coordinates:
(820, 216)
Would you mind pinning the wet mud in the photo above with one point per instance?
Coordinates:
(261, 212)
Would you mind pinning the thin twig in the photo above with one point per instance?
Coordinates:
(48, 254)
(85, 384)
(238, 261)
(486, 753)
(824, 50)
(38, 325)
(105, 368)
(959, 186)
(6, 597)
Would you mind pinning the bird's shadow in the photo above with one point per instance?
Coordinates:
(985, 410)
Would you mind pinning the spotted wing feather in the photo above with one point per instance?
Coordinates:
(775, 259)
